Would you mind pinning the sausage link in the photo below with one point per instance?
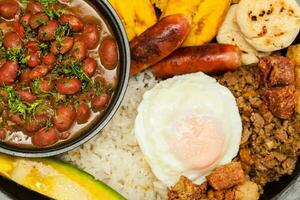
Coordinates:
(158, 41)
(209, 58)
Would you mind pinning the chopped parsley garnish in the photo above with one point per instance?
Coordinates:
(74, 69)
(29, 33)
(16, 105)
(41, 21)
(36, 86)
(25, 3)
(17, 55)
(48, 123)
(110, 90)
(51, 12)
(44, 47)
(47, 2)
(99, 90)
(62, 31)
(1, 122)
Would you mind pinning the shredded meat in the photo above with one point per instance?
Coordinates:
(272, 144)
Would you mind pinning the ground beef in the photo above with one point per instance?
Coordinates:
(269, 145)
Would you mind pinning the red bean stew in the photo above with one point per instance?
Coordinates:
(59, 68)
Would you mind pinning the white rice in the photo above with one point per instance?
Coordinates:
(114, 157)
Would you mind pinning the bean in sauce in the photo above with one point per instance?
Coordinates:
(53, 55)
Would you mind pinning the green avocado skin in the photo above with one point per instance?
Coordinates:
(98, 184)
(57, 163)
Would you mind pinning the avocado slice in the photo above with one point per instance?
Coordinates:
(55, 179)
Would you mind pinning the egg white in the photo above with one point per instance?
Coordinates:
(170, 100)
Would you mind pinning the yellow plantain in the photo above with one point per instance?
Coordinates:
(235, 1)
(161, 4)
(207, 16)
(136, 16)
(181, 6)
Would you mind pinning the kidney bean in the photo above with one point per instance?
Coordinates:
(37, 20)
(79, 50)
(16, 119)
(35, 124)
(34, 59)
(75, 22)
(49, 59)
(68, 85)
(46, 85)
(100, 80)
(91, 35)
(87, 96)
(39, 71)
(67, 44)
(32, 46)
(83, 113)
(64, 135)
(24, 77)
(34, 7)
(8, 72)
(24, 20)
(26, 95)
(108, 53)
(11, 40)
(64, 118)
(47, 32)
(3, 133)
(45, 137)
(100, 102)
(19, 29)
(89, 66)
(9, 10)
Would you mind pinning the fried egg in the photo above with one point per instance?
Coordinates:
(188, 125)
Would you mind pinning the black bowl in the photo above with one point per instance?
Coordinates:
(111, 17)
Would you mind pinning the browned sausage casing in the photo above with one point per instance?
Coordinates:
(210, 58)
(158, 41)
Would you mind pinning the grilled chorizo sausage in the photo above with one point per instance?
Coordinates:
(158, 41)
(210, 58)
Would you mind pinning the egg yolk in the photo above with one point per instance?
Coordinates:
(198, 141)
